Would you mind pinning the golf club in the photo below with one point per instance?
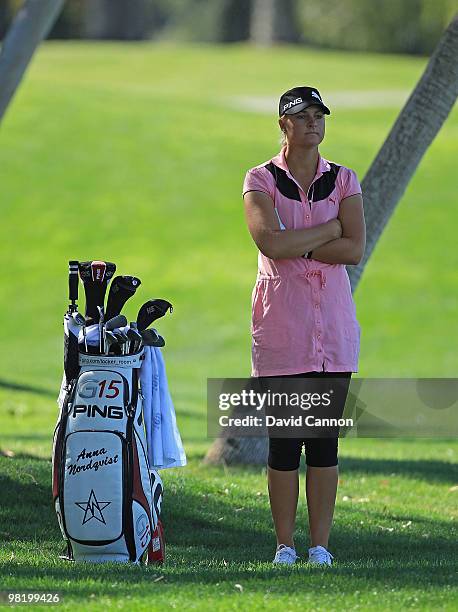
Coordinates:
(138, 343)
(152, 338)
(111, 342)
(121, 338)
(112, 324)
(101, 332)
(134, 337)
(118, 321)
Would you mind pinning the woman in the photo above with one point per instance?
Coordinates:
(305, 215)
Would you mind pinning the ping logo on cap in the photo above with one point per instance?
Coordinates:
(293, 103)
(315, 95)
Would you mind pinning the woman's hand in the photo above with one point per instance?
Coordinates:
(282, 244)
(348, 246)
(335, 229)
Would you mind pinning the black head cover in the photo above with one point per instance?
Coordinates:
(95, 276)
(152, 310)
(121, 289)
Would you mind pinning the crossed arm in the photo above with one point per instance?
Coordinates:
(339, 241)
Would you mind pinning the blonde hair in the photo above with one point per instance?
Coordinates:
(283, 139)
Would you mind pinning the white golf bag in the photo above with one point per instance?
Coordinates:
(106, 498)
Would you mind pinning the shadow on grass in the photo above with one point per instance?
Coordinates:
(27, 438)
(26, 499)
(430, 470)
(210, 541)
(13, 386)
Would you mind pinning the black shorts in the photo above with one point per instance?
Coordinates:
(285, 453)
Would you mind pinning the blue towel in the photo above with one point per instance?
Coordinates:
(165, 448)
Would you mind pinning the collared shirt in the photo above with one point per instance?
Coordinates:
(303, 313)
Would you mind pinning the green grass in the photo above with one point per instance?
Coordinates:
(135, 153)
(394, 538)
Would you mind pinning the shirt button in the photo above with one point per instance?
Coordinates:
(316, 306)
(318, 336)
(307, 217)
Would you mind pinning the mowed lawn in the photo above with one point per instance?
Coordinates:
(136, 154)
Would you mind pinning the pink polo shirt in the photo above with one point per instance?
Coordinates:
(303, 316)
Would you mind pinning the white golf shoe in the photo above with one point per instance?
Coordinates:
(285, 555)
(320, 556)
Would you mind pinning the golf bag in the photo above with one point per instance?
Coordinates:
(106, 498)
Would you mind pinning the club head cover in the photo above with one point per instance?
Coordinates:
(95, 276)
(121, 289)
(152, 310)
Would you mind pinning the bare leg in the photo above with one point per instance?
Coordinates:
(283, 494)
(321, 489)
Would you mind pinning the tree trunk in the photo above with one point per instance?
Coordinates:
(262, 22)
(273, 21)
(229, 451)
(286, 21)
(383, 186)
(30, 26)
(96, 19)
(411, 135)
(234, 23)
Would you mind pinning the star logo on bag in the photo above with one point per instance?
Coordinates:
(93, 508)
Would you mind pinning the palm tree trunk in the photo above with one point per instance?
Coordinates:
(262, 22)
(96, 19)
(229, 451)
(383, 186)
(414, 130)
(273, 21)
(30, 26)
